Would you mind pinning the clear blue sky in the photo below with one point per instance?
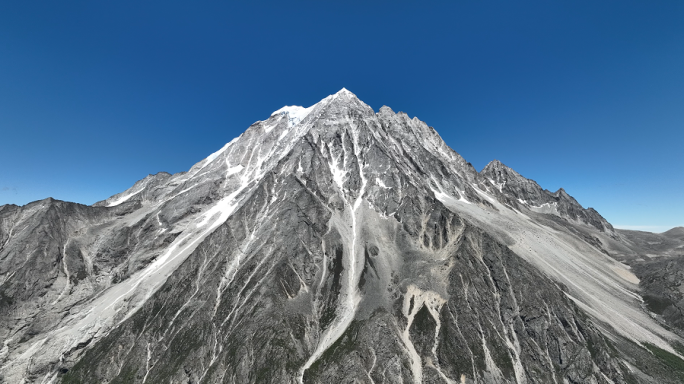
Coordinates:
(585, 95)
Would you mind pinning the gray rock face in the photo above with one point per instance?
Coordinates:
(325, 244)
(518, 191)
(675, 233)
(658, 261)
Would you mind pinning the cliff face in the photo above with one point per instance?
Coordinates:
(325, 244)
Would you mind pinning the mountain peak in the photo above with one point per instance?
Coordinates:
(494, 164)
(342, 103)
(345, 93)
(562, 193)
(499, 171)
(344, 96)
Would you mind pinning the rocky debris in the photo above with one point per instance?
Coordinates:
(658, 261)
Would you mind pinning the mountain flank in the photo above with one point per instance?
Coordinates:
(335, 244)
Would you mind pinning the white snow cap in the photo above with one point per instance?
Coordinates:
(298, 113)
(344, 93)
(295, 113)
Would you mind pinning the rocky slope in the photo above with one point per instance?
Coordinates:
(658, 261)
(325, 244)
(518, 191)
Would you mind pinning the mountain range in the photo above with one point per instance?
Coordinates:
(336, 244)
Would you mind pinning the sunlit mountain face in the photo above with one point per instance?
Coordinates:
(336, 244)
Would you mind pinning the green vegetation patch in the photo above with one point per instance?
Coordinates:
(672, 361)
(656, 304)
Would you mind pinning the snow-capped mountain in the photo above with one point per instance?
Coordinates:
(327, 244)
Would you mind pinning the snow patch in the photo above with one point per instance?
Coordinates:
(216, 154)
(499, 186)
(441, 196)
(551, 208)
(380, 183)
(123, 198)
(234, 170)
(295, 114)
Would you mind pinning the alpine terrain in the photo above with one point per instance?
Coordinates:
(334, 244)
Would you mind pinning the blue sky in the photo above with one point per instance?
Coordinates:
(583, 95)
